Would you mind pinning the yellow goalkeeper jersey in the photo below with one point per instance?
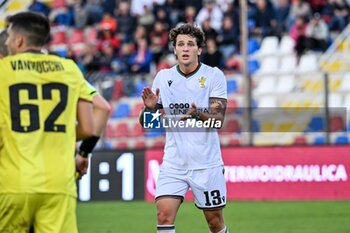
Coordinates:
(38, 109)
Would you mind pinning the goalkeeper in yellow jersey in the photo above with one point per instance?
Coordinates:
(41, 99)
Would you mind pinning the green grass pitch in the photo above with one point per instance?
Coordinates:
(240, 217)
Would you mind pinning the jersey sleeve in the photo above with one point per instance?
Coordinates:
(219, 87)
(86, 90)
(91, 89)
(156, 84)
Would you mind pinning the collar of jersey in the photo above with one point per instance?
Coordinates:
(189, 74)
(33, 51)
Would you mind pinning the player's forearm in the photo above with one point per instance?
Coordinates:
(85, 126)
(211, 116)
(83, 132)
(217, 111)
(101, 112)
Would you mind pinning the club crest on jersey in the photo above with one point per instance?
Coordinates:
(170, 82)
(202, 82)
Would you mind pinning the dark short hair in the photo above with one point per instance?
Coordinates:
(34, 26)
(3, 47)
(187, 29)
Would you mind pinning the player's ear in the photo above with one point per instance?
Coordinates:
(20, 40)
(199, 51)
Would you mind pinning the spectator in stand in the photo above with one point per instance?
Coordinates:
(139, 33)
(106, 74)
(109, 5)
(80, 15)
(299, 8)
(107, 56)
(209, 32)
(336, 12)
(126, 22)
(233, 12)
(108, 22)
(197, 4)
(62, 16)
(175, 11)
(224, 4)
(297, 32)
(228, 38)
(159, 41)
(140, 60)
(138, 6)
(317, 33)
(71, 55)
(89, 61)
(190, 15)
(264, 17)
(39, 7)
(212, 56)
(233, 64)
(317, 5)
(282, 13)
(162, 15)
(146, 19)
(212, 12)
(106, 35)
(94, 11)
(120, 64)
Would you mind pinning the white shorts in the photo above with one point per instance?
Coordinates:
(208, 186)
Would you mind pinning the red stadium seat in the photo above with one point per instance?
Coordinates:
(337, 124)
(300, 140)
(231, 106)
(121, 145)
(136, 109)
(76, 41)
(159, 143)
(91, 35)
(233, 142)
(140, 145)
(76, 36)
(121, 130)
(109, 131)
(58, 4)
(136, 130)
(232, 126)
(118, 89)
(59, 38)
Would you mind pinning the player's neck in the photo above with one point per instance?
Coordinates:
(30, 50)
(188, 69)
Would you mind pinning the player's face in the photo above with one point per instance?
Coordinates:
(186, 50)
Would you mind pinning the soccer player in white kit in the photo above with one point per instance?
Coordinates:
(192, 159)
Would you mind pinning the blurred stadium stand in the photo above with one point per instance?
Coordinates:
(281, 78)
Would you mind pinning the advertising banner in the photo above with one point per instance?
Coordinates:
(275, 173)
(113, 175)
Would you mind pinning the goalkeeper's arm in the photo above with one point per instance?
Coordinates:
(101, 111)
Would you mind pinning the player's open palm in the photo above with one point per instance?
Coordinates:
(149, 98)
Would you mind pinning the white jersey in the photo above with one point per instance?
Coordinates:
(190, 150)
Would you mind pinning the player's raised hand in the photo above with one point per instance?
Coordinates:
(149, 98)
(191, 112)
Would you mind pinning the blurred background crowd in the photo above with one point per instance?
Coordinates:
(120, 45)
